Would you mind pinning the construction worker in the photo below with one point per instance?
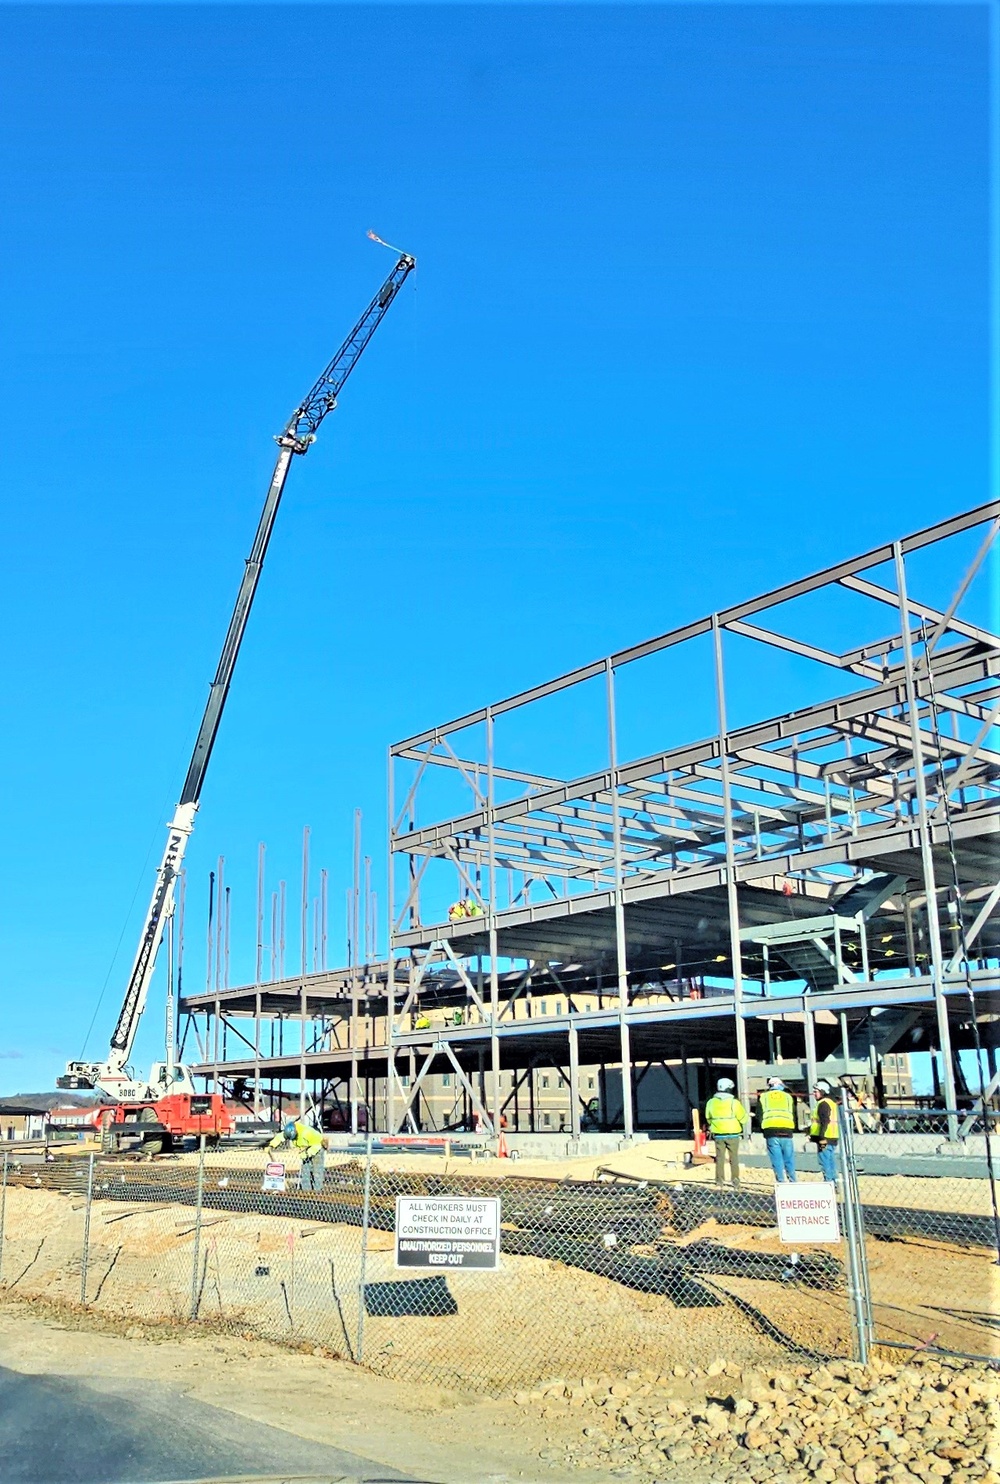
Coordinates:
(776, 1108)
(310, 1145)
(726, 1118)
(456, 912)
(824, 1130)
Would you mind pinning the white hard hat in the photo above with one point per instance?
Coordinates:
(822, 1085)
(724, 1085)
(776, 1083)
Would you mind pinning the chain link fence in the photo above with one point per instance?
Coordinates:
(930, 1236)
(595, 1278)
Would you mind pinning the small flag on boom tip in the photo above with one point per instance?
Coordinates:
(381, 240)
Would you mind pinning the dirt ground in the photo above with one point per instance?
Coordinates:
(417, 1429)
(299, 1281)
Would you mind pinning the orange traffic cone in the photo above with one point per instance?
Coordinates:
(502, 1146)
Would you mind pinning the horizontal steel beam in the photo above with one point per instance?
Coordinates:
(874, 558)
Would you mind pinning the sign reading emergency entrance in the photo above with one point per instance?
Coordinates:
(807, 1213)
(440, 1232)
(274, 1179)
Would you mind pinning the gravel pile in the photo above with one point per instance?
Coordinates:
(928, 1420)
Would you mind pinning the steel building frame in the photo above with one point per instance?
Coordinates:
(676, 898)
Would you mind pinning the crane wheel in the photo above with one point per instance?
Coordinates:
(152, 1143)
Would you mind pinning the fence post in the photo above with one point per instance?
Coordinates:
(195, 1262)
(3, 1207)
(365, 1212)
(864, 1281)
(857, 1266)
(85, 1259)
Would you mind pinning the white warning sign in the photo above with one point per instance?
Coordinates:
(807, 1212)
(446, 1232)
(274, 1179)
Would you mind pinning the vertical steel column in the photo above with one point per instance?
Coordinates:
(323, 919)
(809, 1027)
(620, 943)
(356, 899)
(211, 931)
(574, 1080)
(256, 1054)
(302, 1051)
(220, 917)
(390, 983)
(492, 924)
(926, 845)
(305, 902)
(215, 1046)
(225, 975)
(735, 945)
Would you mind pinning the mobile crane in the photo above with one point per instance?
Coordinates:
(166, 1105)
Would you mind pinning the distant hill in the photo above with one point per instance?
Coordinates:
(48, 1100)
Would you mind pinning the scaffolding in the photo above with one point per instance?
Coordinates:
(765, 886)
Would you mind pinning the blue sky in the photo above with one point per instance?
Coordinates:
(702, 304)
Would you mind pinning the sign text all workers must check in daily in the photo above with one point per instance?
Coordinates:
(446, 1232)
(807, 1211)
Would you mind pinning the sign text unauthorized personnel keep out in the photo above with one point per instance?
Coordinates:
(447, 1232)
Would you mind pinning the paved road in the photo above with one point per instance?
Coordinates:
(61, 1430)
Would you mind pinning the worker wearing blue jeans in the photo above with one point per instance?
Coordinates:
(824, 1130)
(776, 1109)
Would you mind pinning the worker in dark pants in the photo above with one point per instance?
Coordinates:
(726, 1118)
(311, 1147)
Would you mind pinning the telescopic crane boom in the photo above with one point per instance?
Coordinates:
(111, 1076)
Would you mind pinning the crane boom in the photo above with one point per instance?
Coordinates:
(296, 437)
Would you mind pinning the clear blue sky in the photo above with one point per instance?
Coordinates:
(702, 304)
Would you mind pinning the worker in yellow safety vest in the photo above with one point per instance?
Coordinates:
(776, 1109)
(824, 1130)
(311, 1146)
(726, 1118)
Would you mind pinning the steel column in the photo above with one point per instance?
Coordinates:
(926, 851)
(619, 897)
(735, 946)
